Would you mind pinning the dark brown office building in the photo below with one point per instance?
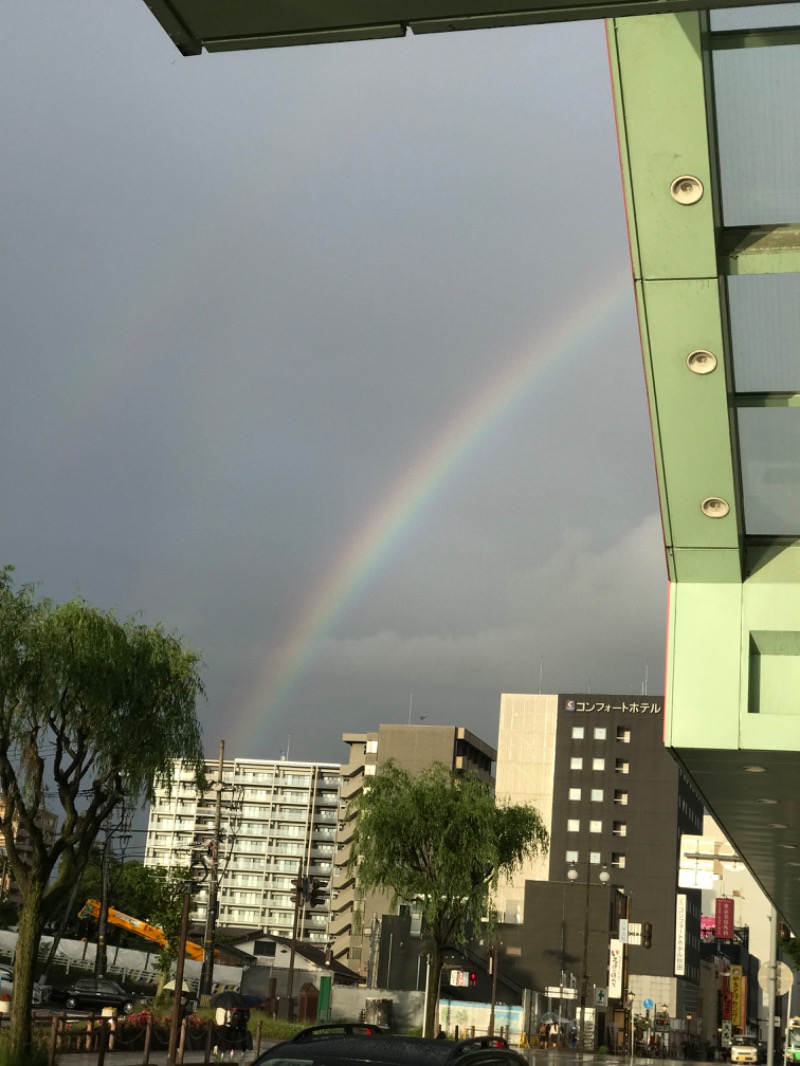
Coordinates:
(615, 803)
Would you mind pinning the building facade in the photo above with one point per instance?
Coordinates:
(354, 925)
(47, 821)
(613, 800)
(278, 822)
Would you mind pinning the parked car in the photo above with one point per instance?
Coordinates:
(92, 993)
(364, 1045)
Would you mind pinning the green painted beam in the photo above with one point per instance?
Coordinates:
(760, 250)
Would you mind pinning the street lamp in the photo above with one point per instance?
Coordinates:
(604, 877)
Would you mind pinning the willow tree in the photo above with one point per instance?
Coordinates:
(441, 839)
(92, 711)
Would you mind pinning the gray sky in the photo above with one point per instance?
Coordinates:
(327, 359)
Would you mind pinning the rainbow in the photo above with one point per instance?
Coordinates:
(418, 484)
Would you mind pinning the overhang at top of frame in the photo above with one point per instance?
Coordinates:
(231, 25)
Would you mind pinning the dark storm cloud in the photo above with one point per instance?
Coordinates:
(242, 293)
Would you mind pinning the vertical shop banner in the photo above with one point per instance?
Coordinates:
(723, 919)
(726, 998)
(736, 997)
(614, 969)
(680, 934)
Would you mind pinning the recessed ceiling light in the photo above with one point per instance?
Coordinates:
(701, 361)
(754, 769)
(767, 802)
(777, 825)
(714, 507)
(793, 863)
(791, 847)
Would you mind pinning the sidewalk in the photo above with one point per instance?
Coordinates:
(157, 1058)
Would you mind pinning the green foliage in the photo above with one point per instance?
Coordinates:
(790, 952)
(166, 914)
(34, 1055)
(92, 710)
(441, 839)
(133, 889)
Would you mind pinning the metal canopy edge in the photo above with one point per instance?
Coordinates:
(234, 25)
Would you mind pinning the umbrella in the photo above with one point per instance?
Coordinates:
(550, 1018)
(170, 986)
(229, 1000)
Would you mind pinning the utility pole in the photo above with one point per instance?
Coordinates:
(299, 898)
(209, 935)
(187, 889)
(494, 959)
(100, 959)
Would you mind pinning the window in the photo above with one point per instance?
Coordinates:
(372, 747)
(600, 732)
(595, 827)
(369, 771)
(577, 732)
(594, 858)
(623, 734)
(598, 764)
(573, 825)
(597, 795)
(622, 766)
(621, 797)
(618, 860)
(574, 793)
(572, 856)
(620, 829)
(576, 763)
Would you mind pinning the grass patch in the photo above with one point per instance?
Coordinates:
(36, 1055)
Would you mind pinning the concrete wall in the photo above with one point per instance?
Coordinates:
(407, 1007)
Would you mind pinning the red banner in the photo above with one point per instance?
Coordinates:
(723, 919)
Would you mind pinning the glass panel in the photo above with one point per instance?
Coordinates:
(766, 16)
(757, 92)
(769, 441)
(765, 327)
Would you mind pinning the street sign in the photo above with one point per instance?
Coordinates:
(648, 1003)
(623, 930)
(784, 978)
(560, 992)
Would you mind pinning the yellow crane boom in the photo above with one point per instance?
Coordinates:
(91, 909)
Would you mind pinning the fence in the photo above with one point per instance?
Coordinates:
(106, 1035)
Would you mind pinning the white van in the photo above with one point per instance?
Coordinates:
(744, 1049)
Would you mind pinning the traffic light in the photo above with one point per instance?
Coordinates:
(317, 893)
(647, 934)
(299, 886)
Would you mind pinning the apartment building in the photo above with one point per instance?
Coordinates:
(413, 747)
(279, 821)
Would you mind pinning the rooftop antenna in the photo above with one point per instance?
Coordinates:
(410, 705)
(541, 672)
(288, 744)
(646, 678)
